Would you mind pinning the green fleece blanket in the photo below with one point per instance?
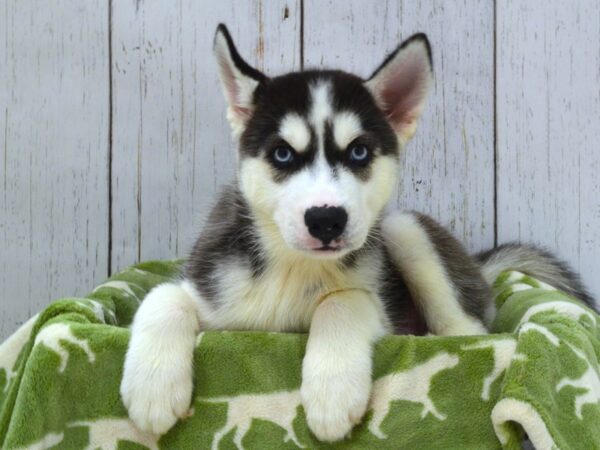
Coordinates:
(60, 376)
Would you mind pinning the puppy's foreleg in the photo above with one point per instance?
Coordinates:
(420, 262)
(158, 377)
(336, 371)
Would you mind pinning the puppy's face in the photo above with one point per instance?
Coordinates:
(319, 162)
(319, 149)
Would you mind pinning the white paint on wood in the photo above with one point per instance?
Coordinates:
(172, 146)
(548, 113)
(448, 168)
(54, 141)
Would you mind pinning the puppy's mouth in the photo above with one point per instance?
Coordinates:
(329, 248)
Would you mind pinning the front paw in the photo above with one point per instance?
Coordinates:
(156, 389)
(334, 403)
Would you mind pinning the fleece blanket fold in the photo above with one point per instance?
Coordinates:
(535, 377)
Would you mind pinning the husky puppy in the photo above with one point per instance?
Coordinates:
(299, 242)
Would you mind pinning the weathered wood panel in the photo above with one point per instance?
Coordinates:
(54, 139)
(172, 145)
(448, 169)
(548, 113)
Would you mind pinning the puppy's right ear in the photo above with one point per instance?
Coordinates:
(238, 78)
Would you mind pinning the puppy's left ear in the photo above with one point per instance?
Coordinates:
(401, 83)
(238, 78)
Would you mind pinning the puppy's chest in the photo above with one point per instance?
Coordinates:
(282, 298)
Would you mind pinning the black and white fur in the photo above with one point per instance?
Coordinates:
(299, 242)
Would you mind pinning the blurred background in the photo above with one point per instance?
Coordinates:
(114, 139)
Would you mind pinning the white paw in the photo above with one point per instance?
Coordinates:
(334, 403)
(156, 388)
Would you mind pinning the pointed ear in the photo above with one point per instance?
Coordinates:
(401, 83)
(238, 78)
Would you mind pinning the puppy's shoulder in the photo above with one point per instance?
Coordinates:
(229, 235)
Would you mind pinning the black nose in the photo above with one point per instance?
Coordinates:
(326, 223)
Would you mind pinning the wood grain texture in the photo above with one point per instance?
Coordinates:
(172, 146)
(548, 113)
(65, 189)
(54, 139)
(448, 169)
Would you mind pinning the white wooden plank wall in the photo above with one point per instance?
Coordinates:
(114, 141)
(54, 122)
(548, 103)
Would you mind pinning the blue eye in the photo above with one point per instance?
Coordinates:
(359, 153)
(283, 155)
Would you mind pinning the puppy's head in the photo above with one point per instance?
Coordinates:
(318, 150)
